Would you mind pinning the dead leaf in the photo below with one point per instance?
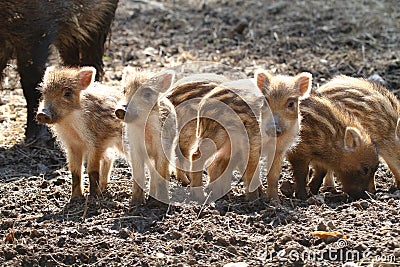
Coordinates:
(326, 234)
(10, 238)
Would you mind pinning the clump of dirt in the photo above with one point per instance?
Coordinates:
(40, 227)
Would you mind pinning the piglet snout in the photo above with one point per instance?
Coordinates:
(43, 116)
(274, 130)
(120, 112)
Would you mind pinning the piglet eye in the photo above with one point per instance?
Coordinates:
(291, 104)
(366, 170)
(147, 94)
(68, 93)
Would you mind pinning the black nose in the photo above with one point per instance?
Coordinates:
(278, 130)
(274, 130)
(42, 117)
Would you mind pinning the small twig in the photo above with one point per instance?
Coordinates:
(370, 196)
(95, 243)
(225, 250)
(118, 218)
(56, 261)
(180, 221)
(16, 176)
(30, 218)
(102, 259)
(291, 203)
(127, 217)
(72, 214)
(85, 208)
(202, 207)
(166, 213)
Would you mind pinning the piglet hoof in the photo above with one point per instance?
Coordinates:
(275, 202)
(287, 188)
(181, 177)
(261, 194)
(75, 199)
(103, 187)
(94, 190)
(197, 194)
(152, 202)
(314, 188)
(138, 198)
(162, 195)
(94, 187)
(94, 194)
(185, 181)
(76, 194)
(272, 195)
(330, 189)
(253, 196)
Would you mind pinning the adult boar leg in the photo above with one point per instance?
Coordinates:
(4, 56)
(31, 64)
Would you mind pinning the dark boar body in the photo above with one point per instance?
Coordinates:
(78, 29)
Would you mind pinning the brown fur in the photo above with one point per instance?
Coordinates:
(144, 122)
(132, 80)
(261, 129)
(80, 113)
(332, 140)
(185, 96)
(281, 92)
(378, 111)
(224, 131)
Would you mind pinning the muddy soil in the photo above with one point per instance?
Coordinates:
(39, 227)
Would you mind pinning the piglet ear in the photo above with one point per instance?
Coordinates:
(303, 83)
(48, 72)
(86, 77)
(127, 72)
(48, 77)
(164, 80)
(263, 80)
(397, 133)
(352, 138)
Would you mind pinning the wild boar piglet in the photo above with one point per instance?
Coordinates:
(331, 139)
(378, 111)
(150, 128)
(255, 121)
(80, 112)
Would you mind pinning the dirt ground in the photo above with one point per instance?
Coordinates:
(40, 227)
